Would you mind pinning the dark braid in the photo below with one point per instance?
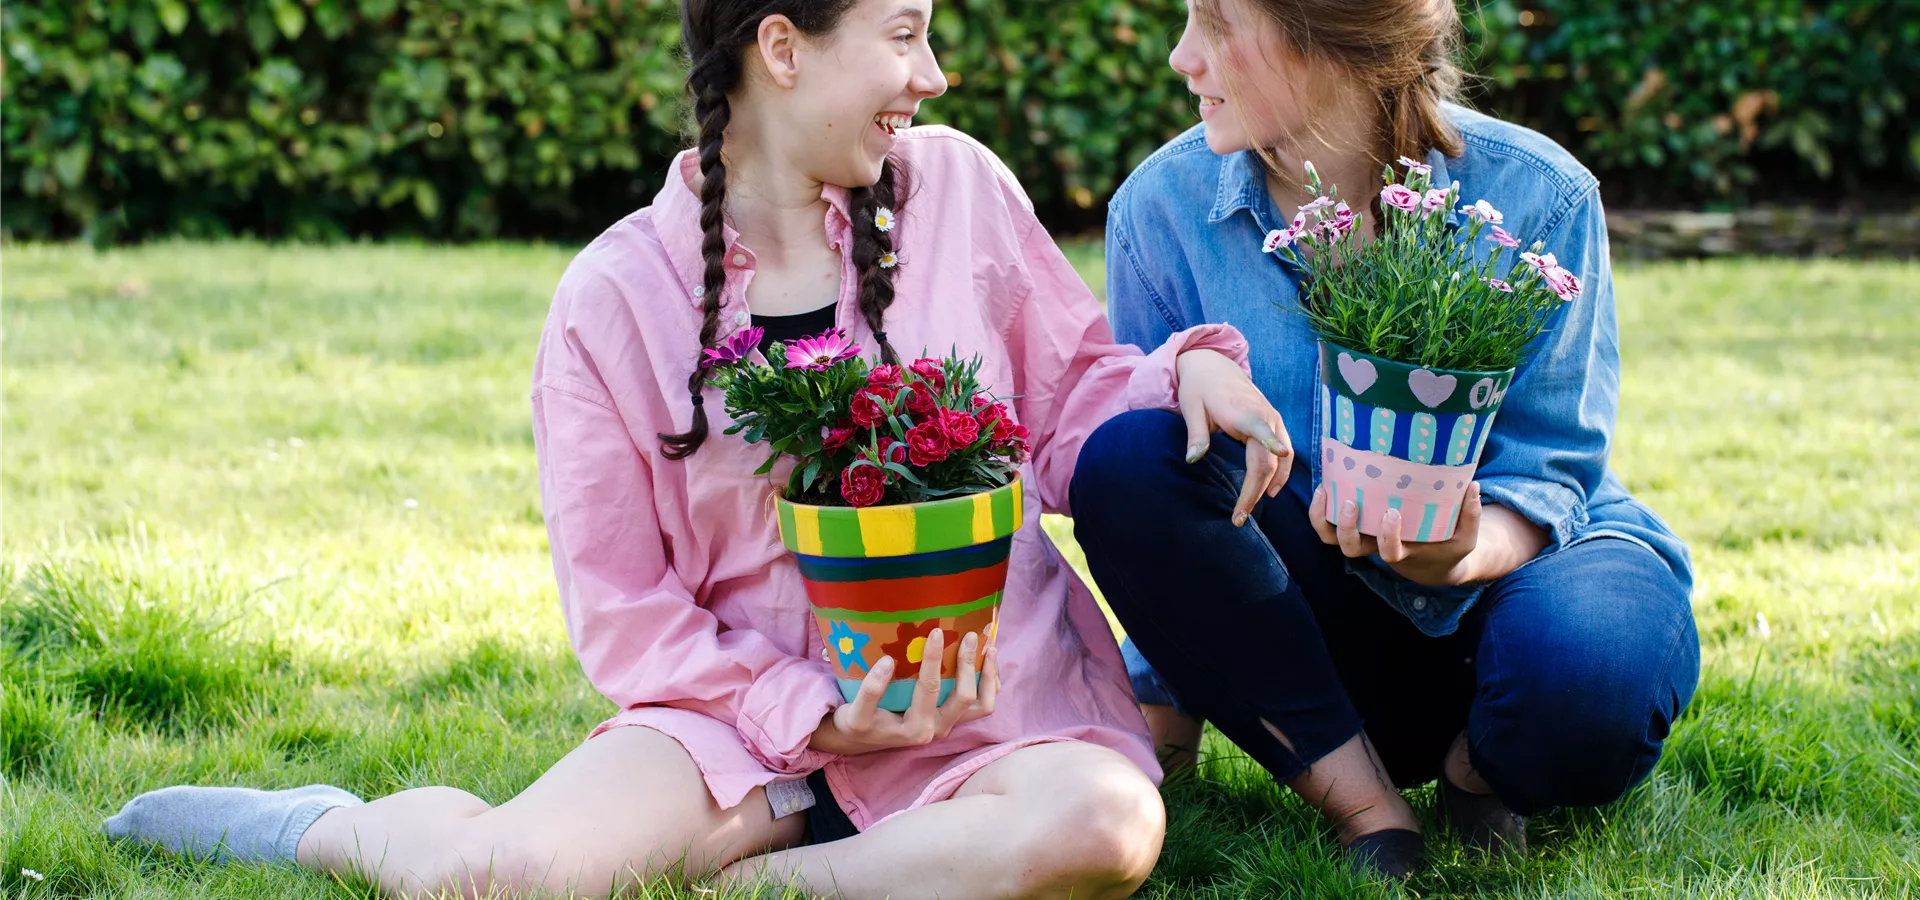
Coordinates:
(715, 34)
(869, 244)
(710, 78)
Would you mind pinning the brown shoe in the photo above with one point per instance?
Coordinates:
(1485, 825)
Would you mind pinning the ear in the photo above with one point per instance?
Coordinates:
(779, 49)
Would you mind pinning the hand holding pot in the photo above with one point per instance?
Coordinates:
(1433, 563)
(861, 726)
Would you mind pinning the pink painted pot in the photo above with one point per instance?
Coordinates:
(1399, 436)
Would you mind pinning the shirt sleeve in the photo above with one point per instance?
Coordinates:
(1548, 451)
(635, 626)
(1071, 375)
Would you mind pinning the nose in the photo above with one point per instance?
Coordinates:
(928, 81)
(1189, 56)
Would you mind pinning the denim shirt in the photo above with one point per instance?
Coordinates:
(1184, 247)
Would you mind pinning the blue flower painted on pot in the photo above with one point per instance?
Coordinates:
(848, 644)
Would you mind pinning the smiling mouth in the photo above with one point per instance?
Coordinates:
(892, 123)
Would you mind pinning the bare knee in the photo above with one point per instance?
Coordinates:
(1099, 840)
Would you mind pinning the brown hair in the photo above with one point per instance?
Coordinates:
(716, 34)
(1401, 51)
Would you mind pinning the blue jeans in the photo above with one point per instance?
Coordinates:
(1566, 676)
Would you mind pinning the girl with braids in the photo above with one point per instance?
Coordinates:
(808, 202)
(1537, 658)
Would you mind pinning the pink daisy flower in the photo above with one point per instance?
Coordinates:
(735, 348)
(822, 350)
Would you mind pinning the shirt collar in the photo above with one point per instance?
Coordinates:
(676, 216)
(1243, 185)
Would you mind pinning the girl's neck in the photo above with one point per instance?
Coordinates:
(778, 211)
(1351, 171)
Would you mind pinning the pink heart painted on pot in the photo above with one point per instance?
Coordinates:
(1359, 373)
(1431, 389)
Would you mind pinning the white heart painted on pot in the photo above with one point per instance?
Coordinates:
(1359, 373)
(1431, 389)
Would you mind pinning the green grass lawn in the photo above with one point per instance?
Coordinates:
(271, 518)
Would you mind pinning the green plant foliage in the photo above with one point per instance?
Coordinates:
(321, 119)
(1728, 100)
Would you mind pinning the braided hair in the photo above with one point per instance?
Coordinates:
(716, 34)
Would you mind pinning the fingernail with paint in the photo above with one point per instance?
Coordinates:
(1195, 452)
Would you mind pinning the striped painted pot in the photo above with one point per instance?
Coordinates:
(1398, 436)
(881, 578)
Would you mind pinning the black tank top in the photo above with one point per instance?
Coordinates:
(787, 329)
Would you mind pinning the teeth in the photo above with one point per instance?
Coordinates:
(892, 122)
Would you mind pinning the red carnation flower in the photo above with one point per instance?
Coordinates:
(884, 376)
(927, 444)
(863, 485)
(836, 437)
(961, 429)
(989, 413)
(930, 370)
(921, 400)
(868, 408)
(897, 453)
(1015, 440)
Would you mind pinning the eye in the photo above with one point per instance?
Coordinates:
(905, 37)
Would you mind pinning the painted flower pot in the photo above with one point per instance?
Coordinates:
(1398, 436)
(882, 578)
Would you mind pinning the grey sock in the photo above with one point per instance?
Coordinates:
(227, 824)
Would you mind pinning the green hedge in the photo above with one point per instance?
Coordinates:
(476, 118)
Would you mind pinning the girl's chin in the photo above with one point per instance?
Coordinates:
(1224, 141)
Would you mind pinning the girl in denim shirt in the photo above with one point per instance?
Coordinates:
(1536, 659)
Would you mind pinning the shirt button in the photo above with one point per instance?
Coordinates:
(741, 317)
(700, 291)
(1419, 603)
(739, 259)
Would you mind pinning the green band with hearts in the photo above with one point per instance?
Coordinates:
(1378, 382)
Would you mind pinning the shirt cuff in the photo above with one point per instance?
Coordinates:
(1554, 507)
(779, 713)
(1156, 383)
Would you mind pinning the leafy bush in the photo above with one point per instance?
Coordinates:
(479, 118)
(1727, 100)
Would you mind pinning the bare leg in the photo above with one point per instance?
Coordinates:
(1176, 736)
(1351, 788)
(1053, 820)
(625, 806)
(1459, 768)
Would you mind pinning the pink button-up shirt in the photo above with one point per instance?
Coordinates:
(682, 605)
